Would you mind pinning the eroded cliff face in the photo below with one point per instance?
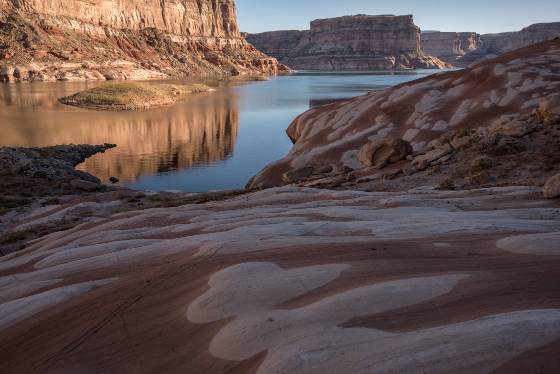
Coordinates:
(118, 39)
(352, 42)
(496, 44)
(487, 45)
(449, 46)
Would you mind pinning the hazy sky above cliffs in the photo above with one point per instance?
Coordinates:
(483, 16)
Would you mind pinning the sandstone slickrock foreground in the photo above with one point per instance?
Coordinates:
(293, 280)
(134, 39)
(359, 42)
(495, 94)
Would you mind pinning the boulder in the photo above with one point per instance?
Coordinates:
(83, 185)
(380, 153)
(481, 163)
(551, 189)
(422, 162)
(296, 175)
(462, 142)
(513, 127)
(325, 169)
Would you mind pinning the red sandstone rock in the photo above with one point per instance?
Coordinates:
(552, 187)
(173, 36)
(421, 111)
(358, 42)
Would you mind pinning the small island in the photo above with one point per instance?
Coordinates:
(132, 96)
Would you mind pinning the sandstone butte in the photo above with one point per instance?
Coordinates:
(360, 42)
(115, 39)
(296, 279)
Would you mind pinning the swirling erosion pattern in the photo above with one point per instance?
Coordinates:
(293, 280)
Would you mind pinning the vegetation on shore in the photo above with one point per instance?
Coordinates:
(131, 95)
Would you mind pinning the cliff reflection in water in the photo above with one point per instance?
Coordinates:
(195, 132)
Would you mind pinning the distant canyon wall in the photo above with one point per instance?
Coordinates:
(465, 48)
(492, 45)
(388, 42)
(124, 39)
(352, 42)
(449, 46)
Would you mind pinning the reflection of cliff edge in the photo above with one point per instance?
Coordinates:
(200, 130)
(133, 39)
(207, 134)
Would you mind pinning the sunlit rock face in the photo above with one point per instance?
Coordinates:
(198, 130)
(352, 42)
(449, 46)
(118, 39)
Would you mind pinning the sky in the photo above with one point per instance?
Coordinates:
(482, 16)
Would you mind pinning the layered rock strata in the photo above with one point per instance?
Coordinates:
(358, 42)
(518, 82)
(449, 46)
(492, 45)
(115, 39)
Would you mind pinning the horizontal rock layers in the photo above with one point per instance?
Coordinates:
(449, 46)
(465, 48)
(292, 280)
(116, 39)
(517, 82)
(358, 42)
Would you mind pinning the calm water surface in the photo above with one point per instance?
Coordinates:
(207, 142)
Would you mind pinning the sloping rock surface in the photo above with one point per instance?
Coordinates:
(419, 112)
(293, 280)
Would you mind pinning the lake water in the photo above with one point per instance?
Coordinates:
(210, 141)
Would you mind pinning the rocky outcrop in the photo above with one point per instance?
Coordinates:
(449, 46)
(48, 171)
(358, 42)
(552, 187)
(492, 45)
(519, 82)
(114, 39)
(379, 153)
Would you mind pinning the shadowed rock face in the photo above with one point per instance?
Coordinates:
(421, 111)
(353, 42)
(492, 45)
(449, 46)
(292, 280)
(117, 39)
